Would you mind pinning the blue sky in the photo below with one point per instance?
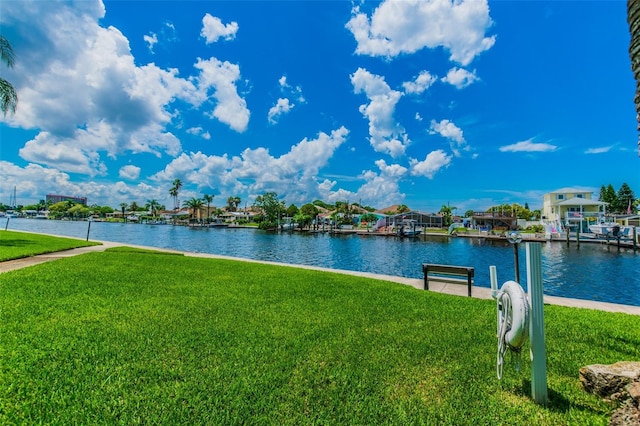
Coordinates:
(422, 103)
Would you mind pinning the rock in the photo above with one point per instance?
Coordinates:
(609, 381)
(626, 415)
(619, 382)
(634, 392)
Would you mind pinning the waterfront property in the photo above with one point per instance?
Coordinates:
(591, 271)
(564, 210)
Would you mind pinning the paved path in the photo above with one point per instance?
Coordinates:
(440, 287)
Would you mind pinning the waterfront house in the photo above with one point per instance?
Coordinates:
(571, 208)
(494, 220)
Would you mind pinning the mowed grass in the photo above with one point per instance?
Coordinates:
(16, 245)
(132, 337)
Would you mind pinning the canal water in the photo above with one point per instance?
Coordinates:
(591, 271)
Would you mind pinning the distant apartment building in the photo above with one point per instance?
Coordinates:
(54, 198)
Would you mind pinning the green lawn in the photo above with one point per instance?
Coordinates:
(131, 337)
(16, 245)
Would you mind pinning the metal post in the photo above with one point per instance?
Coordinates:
(514, 237)
(536, 324)
(493, 274)
(88, 229)
(516, 262)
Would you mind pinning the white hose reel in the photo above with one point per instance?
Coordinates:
(513, 322)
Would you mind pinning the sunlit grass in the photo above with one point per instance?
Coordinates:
(130, 337)
(16, 245)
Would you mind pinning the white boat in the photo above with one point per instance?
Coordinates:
(609, 229)
(409, 228)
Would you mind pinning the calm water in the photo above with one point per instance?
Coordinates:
(592, 271)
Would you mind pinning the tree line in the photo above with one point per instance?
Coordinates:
(620, 202)
(270, 210)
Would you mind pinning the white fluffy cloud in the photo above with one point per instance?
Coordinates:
(129, 172)
(220, 76)
(199, 131)
(421, 83)
(33, 178)
(151, 40)
(255, 171)
(460, 78)
(382, 188)
(406, 26)
(447, 129)
(528, 146)
(82, 90)
(213, 29)
(283, 106)
(386, 135)
(433, 162)
(291, 91)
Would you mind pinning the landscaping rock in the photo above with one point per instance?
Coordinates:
(609, 381)
(626, 415)
(620, 383)
(634, 392)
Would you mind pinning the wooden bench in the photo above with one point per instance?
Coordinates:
(432, 270)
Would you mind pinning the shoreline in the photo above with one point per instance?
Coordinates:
(438, 286)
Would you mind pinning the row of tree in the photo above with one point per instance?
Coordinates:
(271, 210)
(620, 202)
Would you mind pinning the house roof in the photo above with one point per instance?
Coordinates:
(388, 210)
(575, 201)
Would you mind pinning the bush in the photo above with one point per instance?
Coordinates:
(535, 228)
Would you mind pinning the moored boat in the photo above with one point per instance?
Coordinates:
(609, 229)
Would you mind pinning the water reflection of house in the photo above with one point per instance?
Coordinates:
(571, 207)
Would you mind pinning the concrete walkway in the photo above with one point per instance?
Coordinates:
(439, 287)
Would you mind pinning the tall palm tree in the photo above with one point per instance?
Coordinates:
(8, 95)
(230, 204)
(153, 206)
(207, 198)
(195, 204)
(174, 191)
(123, 207)
(633, 18)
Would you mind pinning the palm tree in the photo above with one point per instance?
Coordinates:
(447, 213)
(8, 95)
(195, 204)
(123, 207)
(208, 199)
(153, 206)
(236, 203)
(230, 204)
(174, 191)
